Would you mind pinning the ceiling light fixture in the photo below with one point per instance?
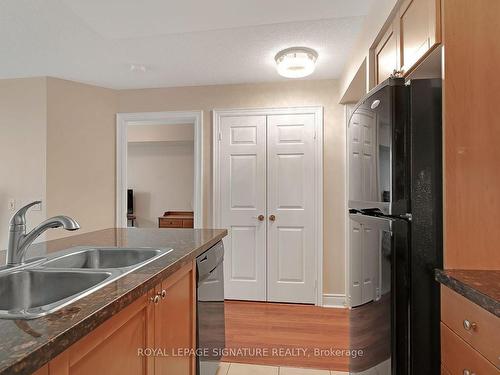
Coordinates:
(296, 62)
(138, 68)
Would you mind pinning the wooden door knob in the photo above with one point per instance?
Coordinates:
(272, 217)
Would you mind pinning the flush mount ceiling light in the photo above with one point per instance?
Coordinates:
(138, 68)
(296, 62)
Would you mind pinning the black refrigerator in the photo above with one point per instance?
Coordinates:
(395, 227)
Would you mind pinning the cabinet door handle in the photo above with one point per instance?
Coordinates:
(468, 372)
(163, 294)
(272, 217)
(469, 326)
(155, 299)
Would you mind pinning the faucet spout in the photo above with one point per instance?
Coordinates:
(19, 241)
(54, 222)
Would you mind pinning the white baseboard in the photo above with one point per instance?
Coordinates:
(334, 300)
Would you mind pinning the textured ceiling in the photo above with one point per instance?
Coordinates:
(181, 43)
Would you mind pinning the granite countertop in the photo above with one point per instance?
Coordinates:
(27, 345)
(479, 286)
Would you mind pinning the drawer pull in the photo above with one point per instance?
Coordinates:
(155, 299)
(469, 372)
(469, 326)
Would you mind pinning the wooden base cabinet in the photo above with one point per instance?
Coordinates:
(42, 370)
(473, 324)
(461, 359)
(112, 348)
(445, 371)
(162, 320)
(469, 337)
(175, 319)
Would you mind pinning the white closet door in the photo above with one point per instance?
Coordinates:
(291, 275)
(243, 199)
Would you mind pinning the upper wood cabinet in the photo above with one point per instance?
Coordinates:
(413, 32)
(472, 134)
(418, 24)
(386, 54)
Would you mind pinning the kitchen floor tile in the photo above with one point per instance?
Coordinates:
(244, 369)
(223, 368)
(302, 371)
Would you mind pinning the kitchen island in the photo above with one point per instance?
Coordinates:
(119, 319)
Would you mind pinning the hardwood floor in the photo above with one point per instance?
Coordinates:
(296, 328)
(301, 329)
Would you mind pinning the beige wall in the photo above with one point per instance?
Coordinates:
(288, 94)
(80, 148)
(81, 129)
(162, 176)
(23, 125)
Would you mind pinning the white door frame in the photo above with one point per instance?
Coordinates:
(317, 111)
(347, 266)
(157, 118)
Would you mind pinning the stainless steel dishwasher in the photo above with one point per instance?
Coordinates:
(210, 309)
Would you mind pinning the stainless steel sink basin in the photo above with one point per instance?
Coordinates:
(41, 287)
(99, 258)
(30, 293)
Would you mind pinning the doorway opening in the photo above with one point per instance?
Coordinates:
(159, 169)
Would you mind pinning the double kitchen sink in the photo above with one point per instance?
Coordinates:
(46, 285)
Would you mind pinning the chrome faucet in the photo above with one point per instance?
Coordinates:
(19, 240)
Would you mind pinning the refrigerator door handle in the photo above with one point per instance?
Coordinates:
(407, 217)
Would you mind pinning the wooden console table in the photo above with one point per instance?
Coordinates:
(131, 218)
(176, 219)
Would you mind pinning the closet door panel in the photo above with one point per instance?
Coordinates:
(291, 256)
(243, 199)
